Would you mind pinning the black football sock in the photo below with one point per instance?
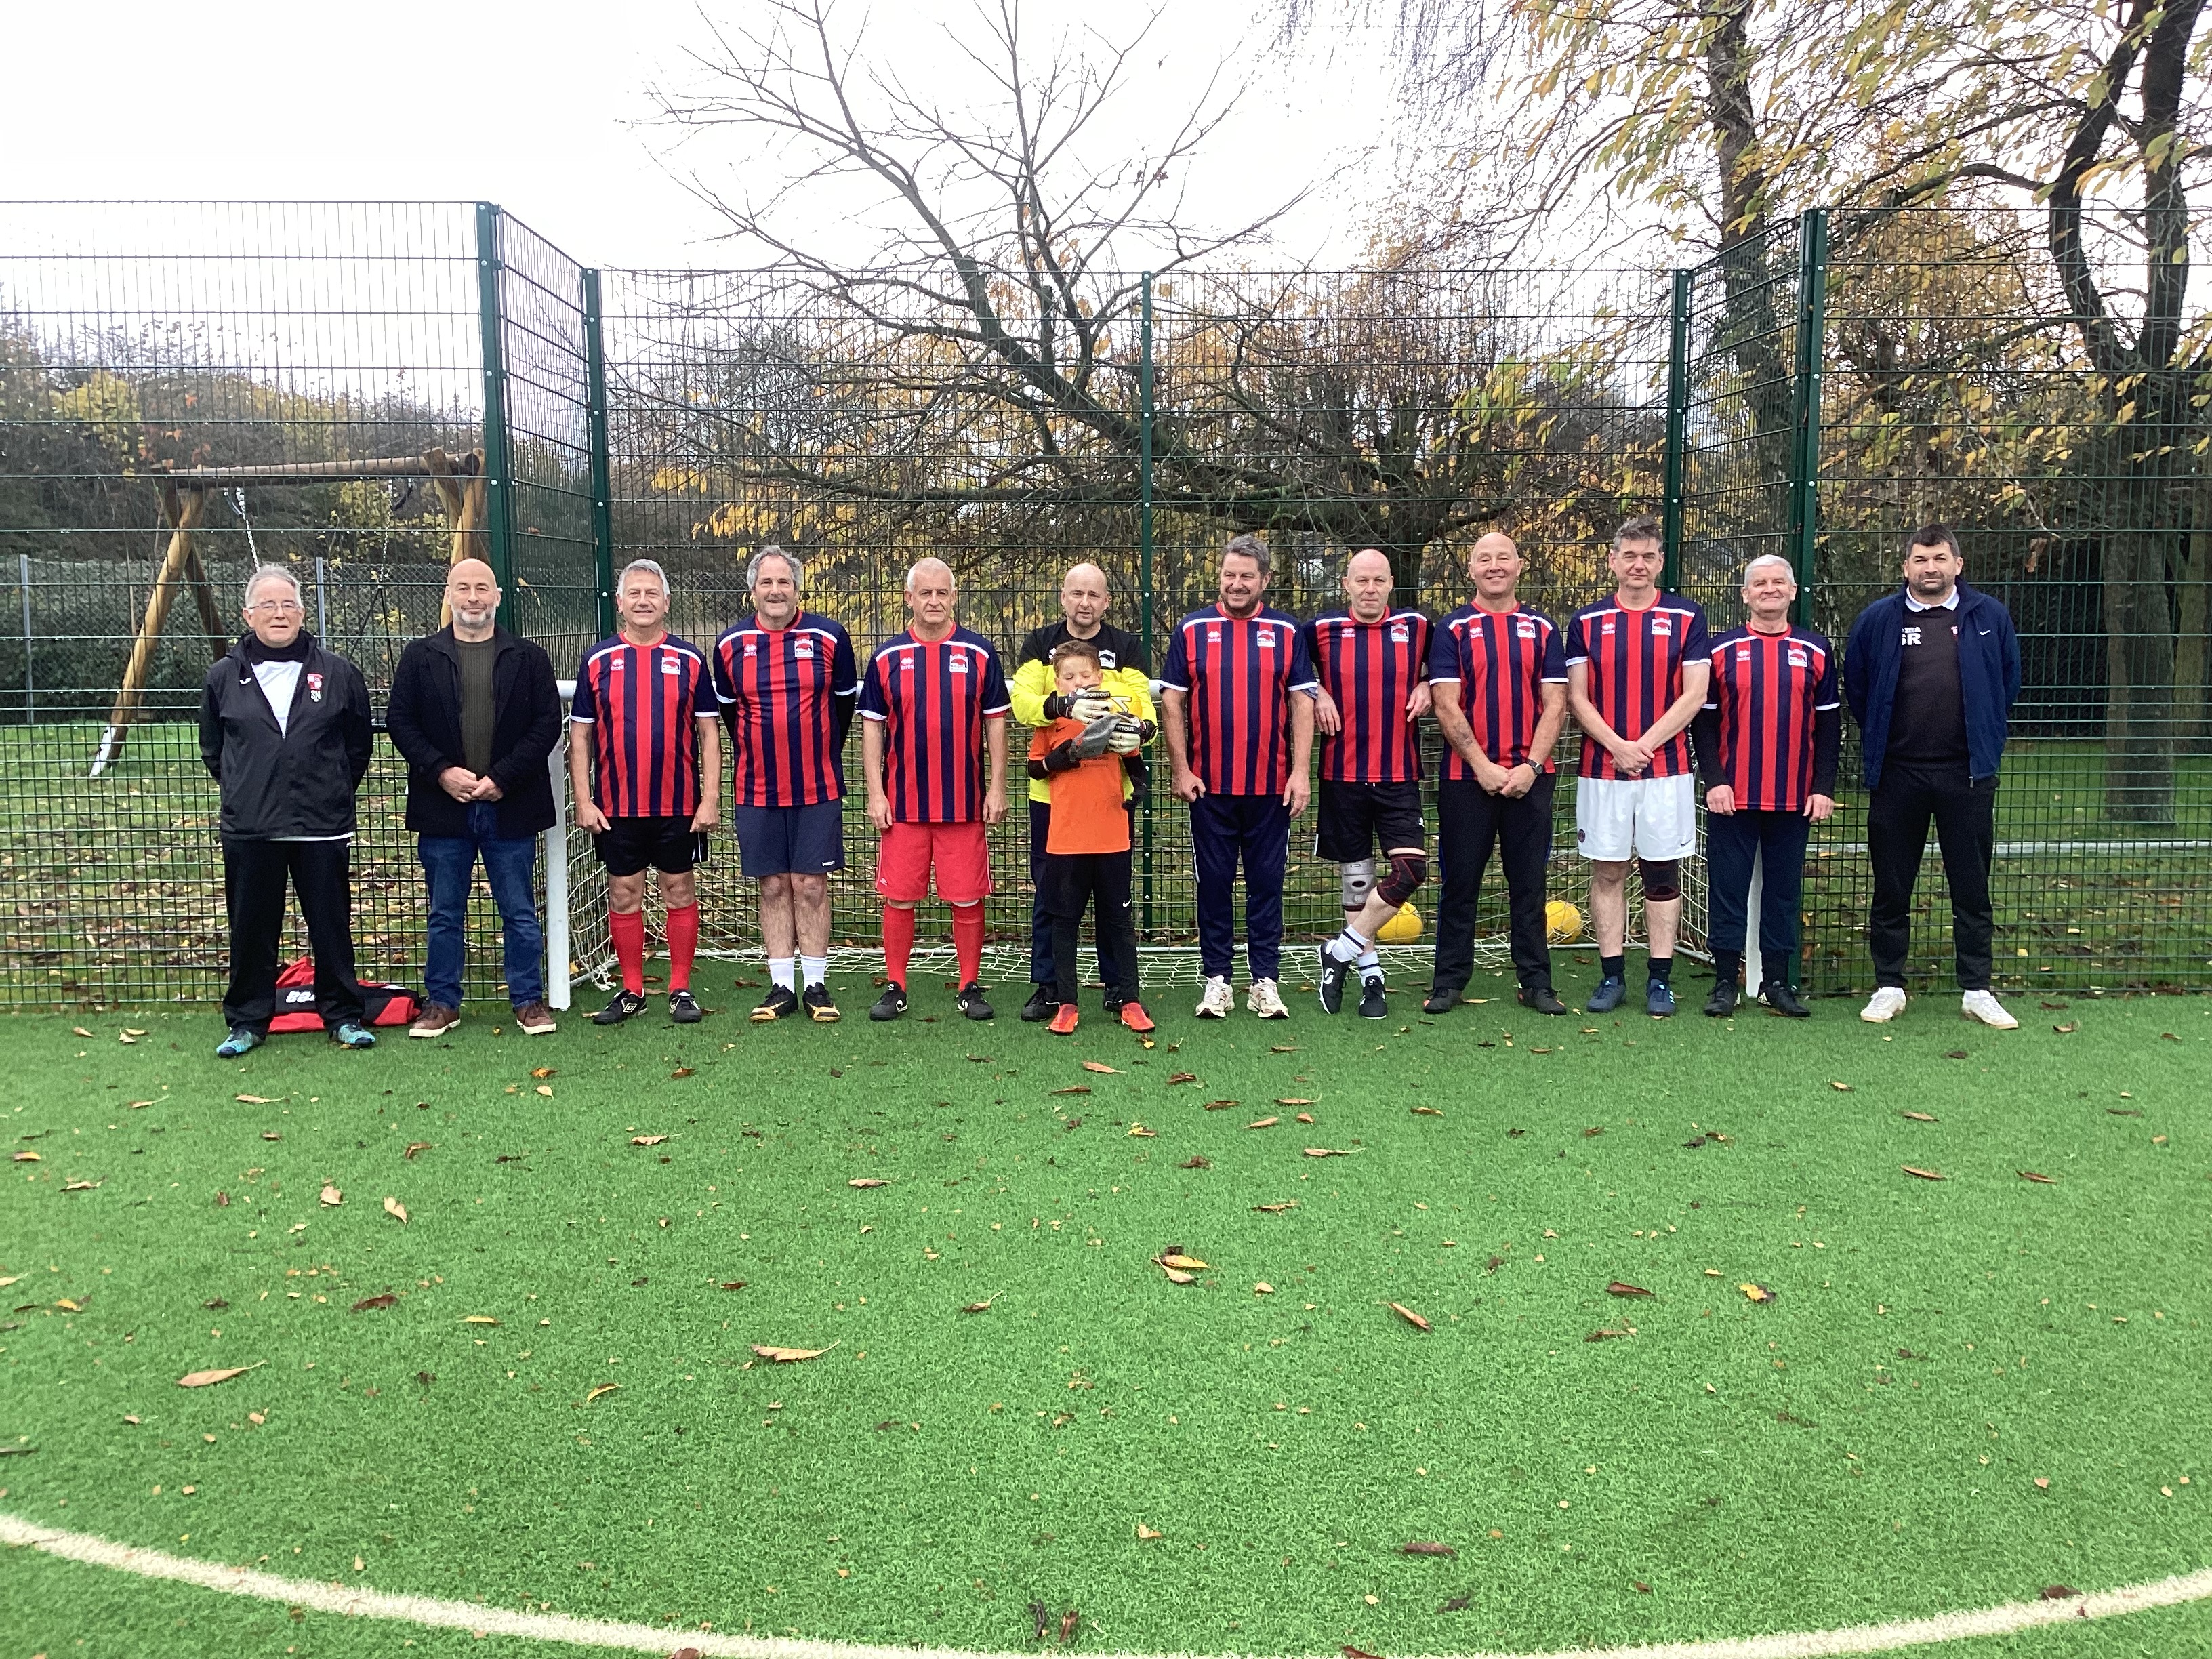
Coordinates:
(1774, 967)
(1614, 967)
(1662, 969)
(1726, 965)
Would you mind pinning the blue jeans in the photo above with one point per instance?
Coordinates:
(449, 864)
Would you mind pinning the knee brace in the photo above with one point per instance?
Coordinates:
(1662, 878)
(1359, 882)
(1407, 871)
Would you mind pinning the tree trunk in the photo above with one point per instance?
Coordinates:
(2139, 705)
(2192, 722)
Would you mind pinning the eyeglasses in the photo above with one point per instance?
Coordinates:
(280, 607)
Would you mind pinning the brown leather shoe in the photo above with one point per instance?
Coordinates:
(435, 1021)
(534, 1019)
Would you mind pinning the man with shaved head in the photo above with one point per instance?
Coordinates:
(1372, 658)
(1501, 680)
(1125, 683)
(474, 713)
(934, 703)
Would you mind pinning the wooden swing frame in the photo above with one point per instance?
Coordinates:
(459, 483)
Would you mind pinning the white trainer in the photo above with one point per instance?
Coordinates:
(1265, 999)
(1985, 1006)
(1884, 1006)
(1218, 999)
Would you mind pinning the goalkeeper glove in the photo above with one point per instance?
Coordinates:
(1091, 705)
(1128, 736)
(1097, 736)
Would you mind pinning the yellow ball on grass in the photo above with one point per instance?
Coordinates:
(1402, 929)
(1563, 923)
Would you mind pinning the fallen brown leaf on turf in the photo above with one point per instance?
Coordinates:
(1918, 1117)
(1925, 1175)
(204, 1379)
(2043, 1483)
(1457, 1604)
(1282, 1048)
(1493, 1264)
(604, 1388)
(647, 1140)
(29, 1157)
(1602, 1335)
(1409, 1315)
(415, 1147)
(396, 1209)
(1840, 1088)
(681, 1071)
(1294, 1100)
(543, 1071)
(1041, 1618)
(1176, 1259)
(734, 1283)
(1641, 1588)
(1263, 1123)
(868, 1181)
(545, 1089)
(1426, 1111)
(1419, 1547)
(1101, 1067)
(68, 1306)
(1068, 1621)
(1327, 1152)
(79, 1030)
(984, 1306)
(1220, 1105)
(258, 1100)
(1618, 1288)
(369, 1304)
(1144, 1531)
(1276, 1208)
(1195, 1162)
(787, 1356)
(1756, 1292)
(79, 1186)
(2031, 1174)
(1954, 1053)
(1182, 1076)
(331, 1196)
(478, 1319)
(1177, 1276)
(1351, 1652)
(1140, 1129)
(1587, 1133)
(2122, 1111)
(1079, 1089)
(2068, 1028)
(2057, 1593)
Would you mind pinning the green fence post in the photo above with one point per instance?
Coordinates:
(499, 469)
(1145, 535)
(595, 407)
(1678, 433)
(1805, 450)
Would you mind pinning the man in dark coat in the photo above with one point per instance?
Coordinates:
(474, 713)
(284, 730)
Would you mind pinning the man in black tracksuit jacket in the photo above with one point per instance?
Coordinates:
(284, 729)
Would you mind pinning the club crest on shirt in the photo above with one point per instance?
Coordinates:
(959, 664)
(670, 666)
(1398, 633)
(1106, 659)
(315, 688)
(1798, 659)
(1267, 639)
(1662, 625)
(801, 649)
(1526, 630)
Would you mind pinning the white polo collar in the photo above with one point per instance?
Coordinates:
(1951, 603)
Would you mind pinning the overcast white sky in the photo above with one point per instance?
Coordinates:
(533, 105)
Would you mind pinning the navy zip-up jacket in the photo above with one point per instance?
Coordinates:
(1989, 677)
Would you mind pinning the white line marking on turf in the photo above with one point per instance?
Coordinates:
(2003, 1619)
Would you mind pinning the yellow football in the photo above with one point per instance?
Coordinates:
(1402, 929)
(1563, 923)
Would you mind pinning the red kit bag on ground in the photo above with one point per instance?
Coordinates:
(384, 1005)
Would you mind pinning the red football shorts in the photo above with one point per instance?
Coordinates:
(959, 853)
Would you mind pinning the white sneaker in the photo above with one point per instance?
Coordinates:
(1266, 1000)
(1218, 999)
(1985, 1006)
(1885, 1005)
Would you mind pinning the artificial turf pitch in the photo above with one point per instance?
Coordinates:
(1867, 1445)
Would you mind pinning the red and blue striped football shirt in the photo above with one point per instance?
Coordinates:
(1636, 660)
(931, 697)
(1498, 663)
(1767, 689)
(642, 703)
(1240, 674)
(1370, 669)
(779, 689)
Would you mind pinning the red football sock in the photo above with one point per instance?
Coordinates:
(968, 940)
(627, 931)
(898, 943)
(683, 946)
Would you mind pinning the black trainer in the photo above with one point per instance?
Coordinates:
(1781, 998)
(819, 1008)
(1334, 971)
(1441, 999)
(779, 1003)
(1373, 1003)
(892, 1003)
(683, 1008)
(1041, 1006)
(626, 1004)
(1722, 1004)
(1542, 997)
(972, 1002)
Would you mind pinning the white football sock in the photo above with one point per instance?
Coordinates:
(816, 968)
(779, 970)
